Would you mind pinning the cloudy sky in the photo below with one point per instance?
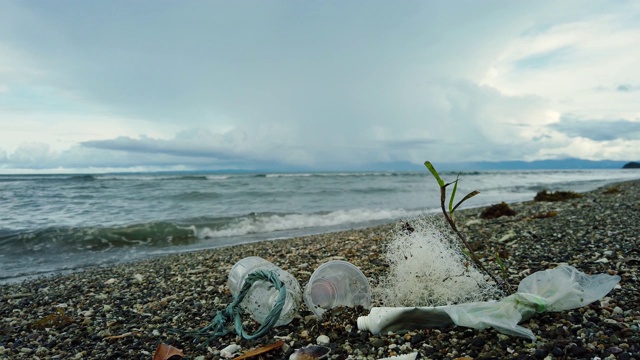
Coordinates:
(150, 85)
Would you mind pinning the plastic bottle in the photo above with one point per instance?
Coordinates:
(336, 283)
(262, 296)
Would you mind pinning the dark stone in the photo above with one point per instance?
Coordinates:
(540, 353)
(416, 339)
(577, 351)
(377, 343)
(624, 356)
(556, 351)
(478, 342)
(429, 350)
(615, 350)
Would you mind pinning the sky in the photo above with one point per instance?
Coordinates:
(102, 86)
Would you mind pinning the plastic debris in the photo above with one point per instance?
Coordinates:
(412, 356)
(559, 289)
(262, 297)
(311, 352)
(229, 351)
(336, 283)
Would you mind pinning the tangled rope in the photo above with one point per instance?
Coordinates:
(218, 327)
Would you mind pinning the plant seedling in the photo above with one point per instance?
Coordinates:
(450, 218)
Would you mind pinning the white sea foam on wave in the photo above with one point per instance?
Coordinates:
(273, 223)
(155, 177)
(329, 174)
(289, 175)
(534, 180)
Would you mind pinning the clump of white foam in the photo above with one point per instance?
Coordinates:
(428, 268)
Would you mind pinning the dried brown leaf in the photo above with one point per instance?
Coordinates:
(260, 350)
(165, 352)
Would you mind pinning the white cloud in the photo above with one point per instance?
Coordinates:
(568, 62)
(312, 84)
(62, 130)
(623, 150)
(32, 154)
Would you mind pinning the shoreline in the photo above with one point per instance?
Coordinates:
(124, 311)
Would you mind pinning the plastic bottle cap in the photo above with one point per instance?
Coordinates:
(363, 323)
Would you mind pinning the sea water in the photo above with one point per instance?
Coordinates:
(59, 223)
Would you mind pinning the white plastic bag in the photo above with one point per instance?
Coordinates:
(566, 287)
(558, 289)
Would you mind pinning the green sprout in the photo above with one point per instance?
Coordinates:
(450, 218)
(503, 267)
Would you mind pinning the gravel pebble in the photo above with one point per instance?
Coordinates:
(124, 312)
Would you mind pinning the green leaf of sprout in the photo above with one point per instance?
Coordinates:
(453, 195)
(503, 268)
(434, 173)
(469, 196)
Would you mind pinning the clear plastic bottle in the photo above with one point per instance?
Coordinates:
(336, 283)
(262, 296)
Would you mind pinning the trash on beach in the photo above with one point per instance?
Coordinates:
(412, 356)
(553, 290)
(336, 283)
(229, 351)
(272, 296)
(427, 267)
(269, 294)
(165, 352)
(262, 296)
(311, 352)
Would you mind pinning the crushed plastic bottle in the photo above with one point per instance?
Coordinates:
(336, 283)
(262, 296)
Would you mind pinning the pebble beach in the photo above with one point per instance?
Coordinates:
(126, 311)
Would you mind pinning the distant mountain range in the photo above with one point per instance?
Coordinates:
(504, 165)
(568, 164)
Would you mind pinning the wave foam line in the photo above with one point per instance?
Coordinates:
(272, 223)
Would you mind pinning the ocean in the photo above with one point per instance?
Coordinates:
(53, 224)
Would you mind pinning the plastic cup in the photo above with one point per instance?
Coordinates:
(262, 296)
(336, 283)
(244, 267)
